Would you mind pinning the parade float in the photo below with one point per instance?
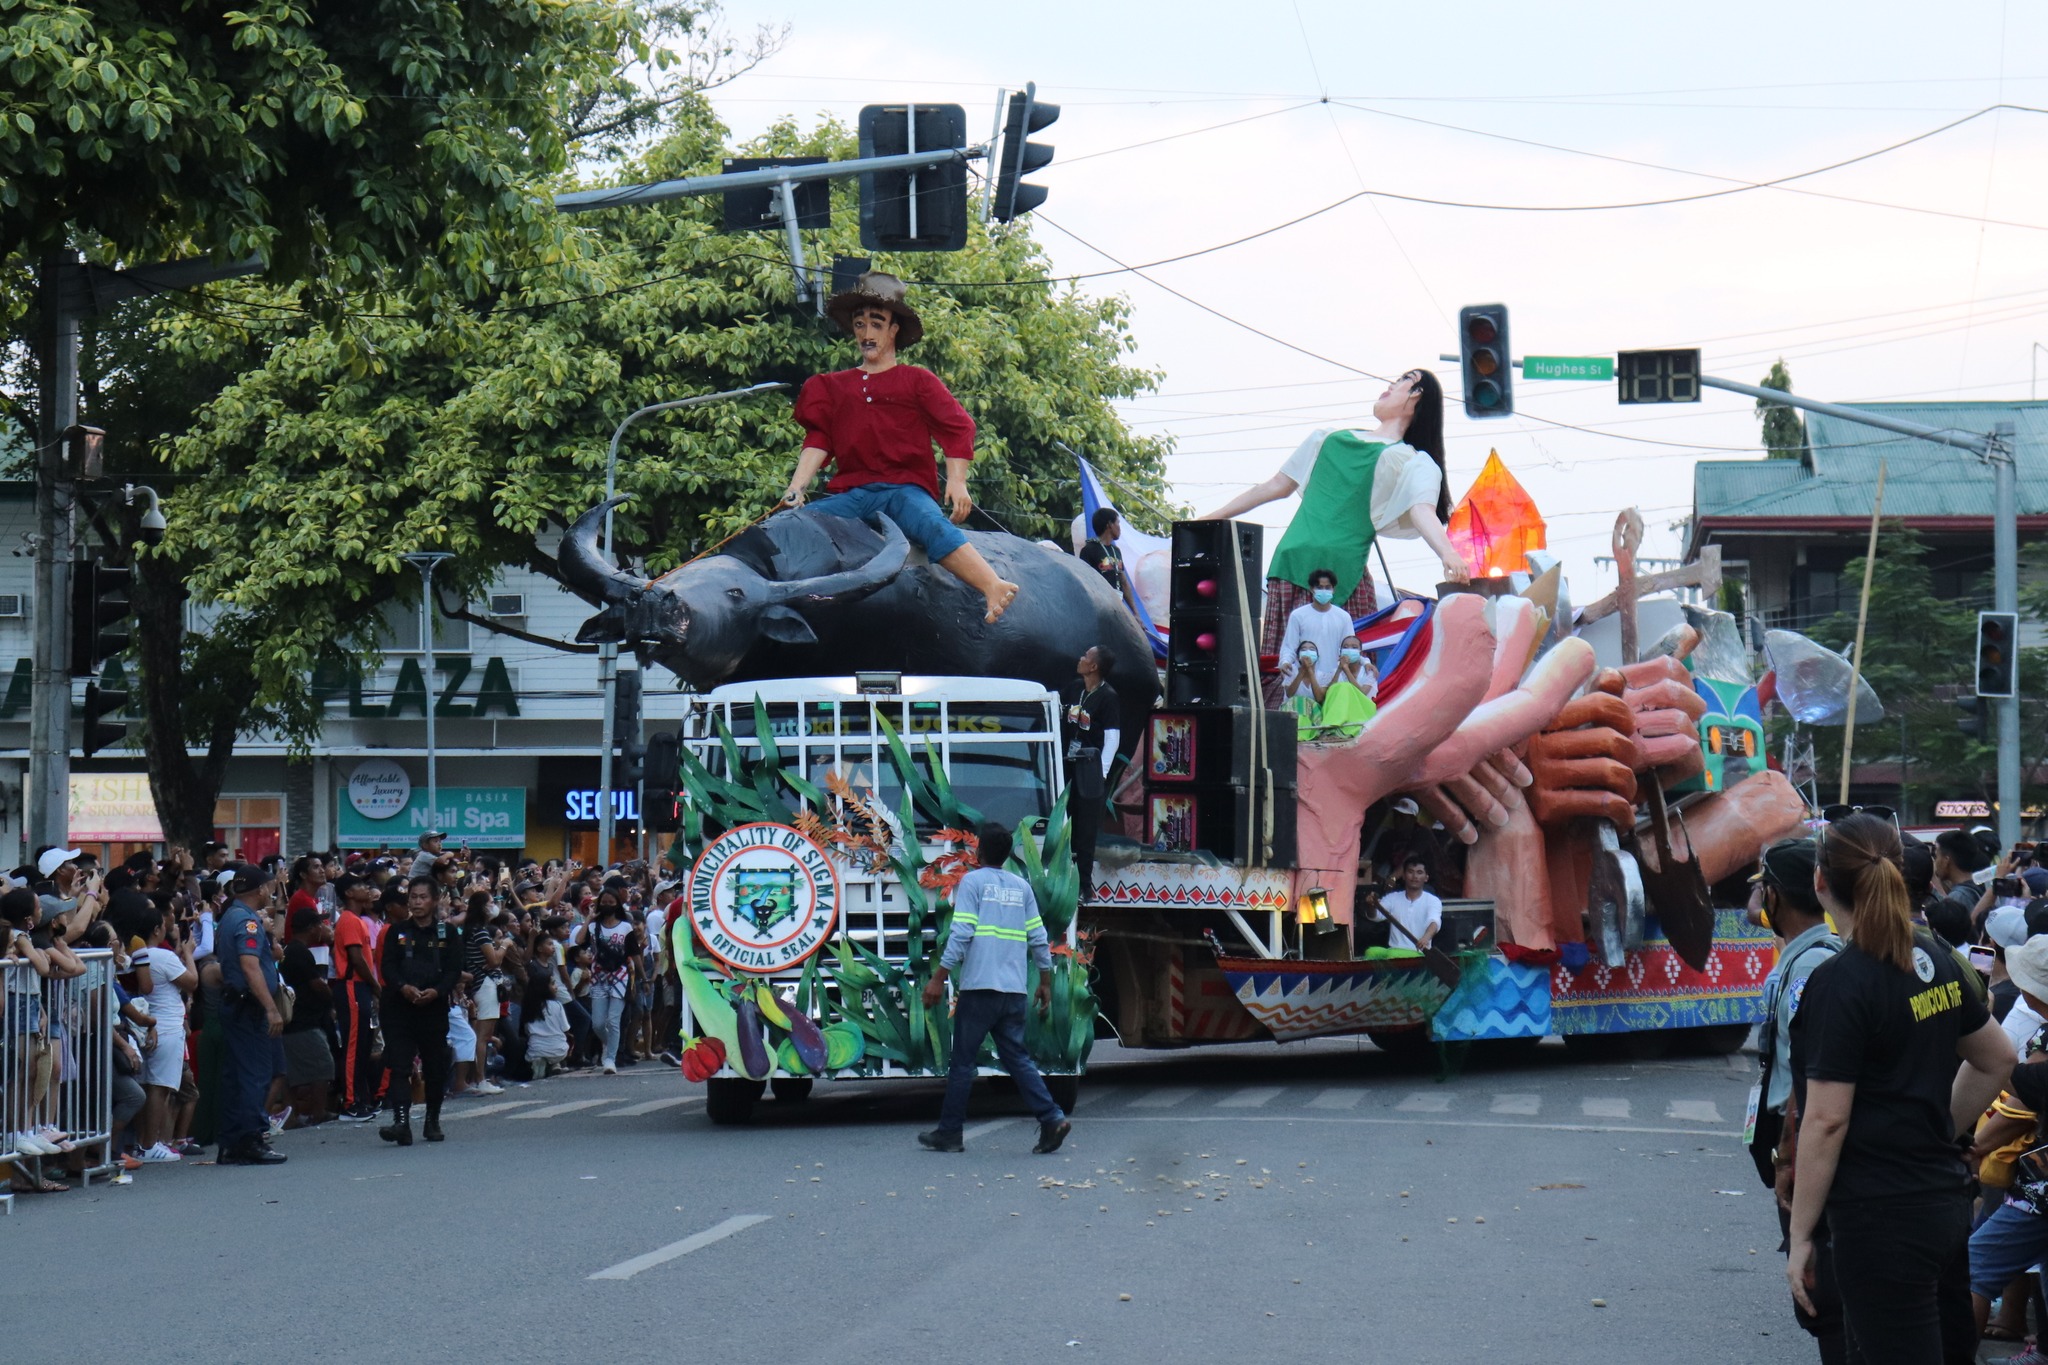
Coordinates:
(1594, 807)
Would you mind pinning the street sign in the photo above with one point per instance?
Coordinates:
(1568, 367)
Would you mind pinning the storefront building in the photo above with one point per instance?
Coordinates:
(517, 728)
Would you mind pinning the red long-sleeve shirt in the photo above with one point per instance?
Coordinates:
(880, 428)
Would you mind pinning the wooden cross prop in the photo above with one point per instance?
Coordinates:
(1703, 573)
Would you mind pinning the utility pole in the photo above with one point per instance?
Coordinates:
(426, 561)
(1995, 450)
(49, 741)
(608, 652)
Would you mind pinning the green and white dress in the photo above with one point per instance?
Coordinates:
(1353, 490)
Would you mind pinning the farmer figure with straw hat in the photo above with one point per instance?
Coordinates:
(877, 424)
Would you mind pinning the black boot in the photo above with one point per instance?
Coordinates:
(431, 1129)
(399, 1130)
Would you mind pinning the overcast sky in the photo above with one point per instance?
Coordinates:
(1922, 299)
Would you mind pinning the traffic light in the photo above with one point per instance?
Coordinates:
(1971, 721)
(1483, 357)
(1658, 376)
(101, 733)
(626, 729)
(99, 604)
(1997, 659)
(1019, 157)
(659, 789)
(924, 210)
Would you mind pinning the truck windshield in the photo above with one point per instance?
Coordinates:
(1005, 782)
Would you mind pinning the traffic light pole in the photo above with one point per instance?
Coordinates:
(582, 201)
(49, 740)
(1997, 451)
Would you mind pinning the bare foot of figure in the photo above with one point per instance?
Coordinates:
(999, 598)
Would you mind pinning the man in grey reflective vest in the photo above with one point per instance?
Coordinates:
(995, 929)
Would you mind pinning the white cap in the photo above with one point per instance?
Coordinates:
(2007, 926)
(1406, 806)
(54, 858)
(2027, 965)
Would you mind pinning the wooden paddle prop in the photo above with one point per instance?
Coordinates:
(1677, 890)
(1436, 959)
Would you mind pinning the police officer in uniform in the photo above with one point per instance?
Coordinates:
(1091, 724)
(421, 962)
(249, 1016)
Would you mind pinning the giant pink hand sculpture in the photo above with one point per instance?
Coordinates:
(1434, 737)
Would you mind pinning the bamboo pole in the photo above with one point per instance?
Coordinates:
(1862, 615)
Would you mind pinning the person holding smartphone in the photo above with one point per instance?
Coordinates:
(2015, 1236)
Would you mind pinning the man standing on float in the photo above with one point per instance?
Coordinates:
(877, 423)
(1355, 487)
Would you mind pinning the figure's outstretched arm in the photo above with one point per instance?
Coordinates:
(1279, 486)
(807, 466)
(1423, 516)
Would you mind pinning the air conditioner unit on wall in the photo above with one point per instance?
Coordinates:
(13, 605)
(508, 604)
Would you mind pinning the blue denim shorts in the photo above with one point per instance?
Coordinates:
(912, 508)
(2002, 1247)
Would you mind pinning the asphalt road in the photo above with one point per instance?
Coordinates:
(1307, 1203)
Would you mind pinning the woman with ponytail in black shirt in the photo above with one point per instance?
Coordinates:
(1875, 1046)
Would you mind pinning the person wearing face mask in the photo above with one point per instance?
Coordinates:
(1318, 624)
(1348, 701)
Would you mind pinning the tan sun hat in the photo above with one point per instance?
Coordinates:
(878, 289)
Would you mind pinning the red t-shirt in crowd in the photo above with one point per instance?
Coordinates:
(880, 428)
(350, 928)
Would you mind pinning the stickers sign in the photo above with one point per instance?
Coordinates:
(763, 898)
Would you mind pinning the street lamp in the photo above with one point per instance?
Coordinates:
(608, 653)
(426, 561)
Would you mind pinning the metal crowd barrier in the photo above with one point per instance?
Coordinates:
(56, 1061)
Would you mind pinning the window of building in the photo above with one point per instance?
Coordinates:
(251, 826)
(398, 632)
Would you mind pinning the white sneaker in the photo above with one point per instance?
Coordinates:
(160, 1153)
(29, 1145)
(488, 1088)
(279, 1120)
(610, 1070)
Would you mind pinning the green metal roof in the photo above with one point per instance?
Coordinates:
(1922, 479)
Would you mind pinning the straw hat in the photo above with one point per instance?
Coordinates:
(878, 289)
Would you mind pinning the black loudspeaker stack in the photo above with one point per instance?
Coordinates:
(1206, 655)
(1203, 793)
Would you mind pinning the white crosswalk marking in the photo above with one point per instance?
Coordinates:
(634, 1111)
(1250, 1098)
(1517, 1104)
(1604, 1109)
(1425, 1102)
(556, 1109)
(484, 1111)
(1342, 1097)
(1162, 1099)
(1697, 1111)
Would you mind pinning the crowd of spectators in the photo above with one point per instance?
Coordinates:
(565, 968)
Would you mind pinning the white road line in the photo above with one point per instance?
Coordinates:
(1604, 1109)
(634, 1111)
(1517, 1104)
(1698, 1111)
(1412, 1123)
(1342, 1097)
(626, 1270)
(1425, 1102)
(482, 1111)
(1161, 1099)
(1251, 1097)
(571, 1107)
(978, 1129)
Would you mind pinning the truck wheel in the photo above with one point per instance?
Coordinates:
(791, 1089)
(1065, 1090)
(1404, 1044)
(729, 1099)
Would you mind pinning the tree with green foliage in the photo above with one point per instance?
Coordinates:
(1784, 430)
(354, 146)
(1917, 658)
(479, 431)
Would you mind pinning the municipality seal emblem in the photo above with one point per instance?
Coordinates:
(763, 898)
(1923, 965)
